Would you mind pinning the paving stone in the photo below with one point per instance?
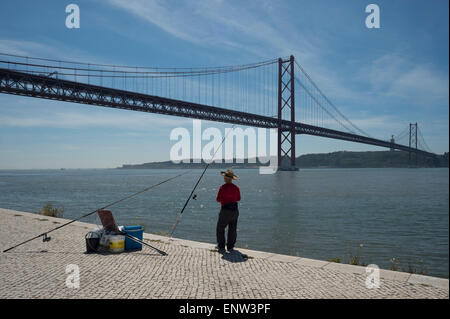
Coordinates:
(312, 262)
(283, 258)
(351, 269)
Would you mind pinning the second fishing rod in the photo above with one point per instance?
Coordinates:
(191, 195)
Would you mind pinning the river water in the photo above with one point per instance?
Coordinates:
(314, 213)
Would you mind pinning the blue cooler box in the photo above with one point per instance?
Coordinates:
(135, 231)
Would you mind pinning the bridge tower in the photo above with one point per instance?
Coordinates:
(412, 139)
(392, 142)
(286, 111)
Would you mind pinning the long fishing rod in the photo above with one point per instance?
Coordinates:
(198, 182)
(44, 235)
(144, 243)
(187, 201)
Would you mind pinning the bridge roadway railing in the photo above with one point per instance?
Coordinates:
(41, 86)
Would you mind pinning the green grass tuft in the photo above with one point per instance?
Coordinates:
(49, 210)
(396, 265)
(335, 260)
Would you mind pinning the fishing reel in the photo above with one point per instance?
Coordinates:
(46, 238)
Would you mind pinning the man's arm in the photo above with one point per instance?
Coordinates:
(219, 195)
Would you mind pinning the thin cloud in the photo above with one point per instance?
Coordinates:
(394, 76)
(49, 48)
(20, 47)
(422, 84)
(219, 23)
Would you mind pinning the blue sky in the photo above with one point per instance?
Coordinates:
(382, 79)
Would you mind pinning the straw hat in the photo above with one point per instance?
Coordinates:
(229, 173)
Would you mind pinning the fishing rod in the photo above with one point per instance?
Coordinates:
(187, 201)
(142, 242)
(46, 238)
(198, 182)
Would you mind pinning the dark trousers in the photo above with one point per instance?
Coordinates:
(227, 217)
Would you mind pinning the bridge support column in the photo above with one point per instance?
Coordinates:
(286, 111)
(412, 141)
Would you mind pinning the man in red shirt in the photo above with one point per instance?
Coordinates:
(229, 195)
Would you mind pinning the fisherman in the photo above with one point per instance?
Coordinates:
(228, 195)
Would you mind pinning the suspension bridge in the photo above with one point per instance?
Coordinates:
(276, 93)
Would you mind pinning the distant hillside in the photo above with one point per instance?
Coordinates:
(369, 159)
(329, 160)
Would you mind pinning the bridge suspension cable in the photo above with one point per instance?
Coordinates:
(327, 102)
(135, 68)
(421, 141)
(402, 134)
(244, 87)
(321, 106)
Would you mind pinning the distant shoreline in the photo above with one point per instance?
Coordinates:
(343, 159)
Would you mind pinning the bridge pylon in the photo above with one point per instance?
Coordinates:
(413, 140)
(286, 111)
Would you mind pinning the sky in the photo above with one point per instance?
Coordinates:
(381, 79)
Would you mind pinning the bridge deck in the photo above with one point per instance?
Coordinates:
(20, 83)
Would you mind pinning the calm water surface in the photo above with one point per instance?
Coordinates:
(316, 213)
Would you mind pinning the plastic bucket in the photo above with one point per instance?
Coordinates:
(116, 243)
(135, 231)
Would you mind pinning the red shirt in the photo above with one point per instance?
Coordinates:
(228, 193)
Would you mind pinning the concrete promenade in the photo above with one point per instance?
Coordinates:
(191, 270)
